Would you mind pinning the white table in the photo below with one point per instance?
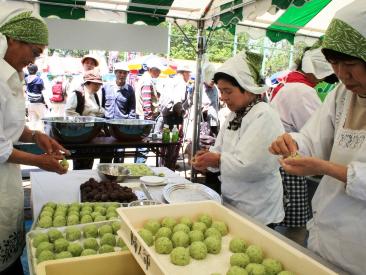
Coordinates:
(48, 186)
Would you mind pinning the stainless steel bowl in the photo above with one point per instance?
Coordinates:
(112, 172)
(129, 129)
(73, 129)
(143, 202)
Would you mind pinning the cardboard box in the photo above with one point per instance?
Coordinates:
(155, 264)
(117, 263)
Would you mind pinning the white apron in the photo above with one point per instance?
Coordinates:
(11, 191)
(338, 227)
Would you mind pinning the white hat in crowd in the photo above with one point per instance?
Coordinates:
(121, 66)
(183, 68)
(315, 63)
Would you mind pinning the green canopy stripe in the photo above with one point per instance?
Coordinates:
(231, 18)
(148, 19)
(65, 12)
(284, 4)
(293, 19)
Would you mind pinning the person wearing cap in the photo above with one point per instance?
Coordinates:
(89, 63)
(120, 101)
(332, 143)
(296, 100)
(23, 37)
(37, 108)
(251, 181)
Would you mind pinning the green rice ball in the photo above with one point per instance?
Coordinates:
(196, 236)
(60, 212)
(44, 246)
(50, 204)
(75, 249)
(255, 253)
(255, 269)
(180, 256)
(180, 238)
(206, 219)
(239, 259)
(72, 220)
(87, 204)
(86, 219)
(187, 221)
(100, 218)
(95, 214)
(45, 222)
(147, 236)
(46, 214)
(286, 272)
(237, 245)
(45, 256)
(112, 208)
(199, 226)
(90, 231)
(86, 209)
(221, 226)
(48, 209)
(152, 225)
(106, 249)
(111, 215)
(109, 239)
(272, 266)
(62, 206)
(73, 213)
(63, 255)
(212, 232)
(163, 245)
(91, 243)
(163, 232)
(72, 233)
(39, 238)
(213, 245)
(169, 222)
(116, 226)
(85, 213)
(101, 210)
(181, 227)
(120, 243)
(54, 234)
(198, 250)
(236, 270)
(75, 206)
(105, 229)
(88, 251)
(61, 245)
(59, 221)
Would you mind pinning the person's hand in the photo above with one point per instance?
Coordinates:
(51, 163)
(284, 145)
(206, 159)
(303, 166)
(49, 145)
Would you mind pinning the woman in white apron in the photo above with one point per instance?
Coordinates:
(333, 143)
(23, 37)
(251, 181)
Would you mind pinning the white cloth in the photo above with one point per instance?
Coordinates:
(250, 175)
(237, 67)
(315, 63)
(210, 102)
(295, 103)
(12, 121)
(338, 227)
(91, 107)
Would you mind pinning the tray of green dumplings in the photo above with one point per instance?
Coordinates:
(73, 241)
(207, 238)
(61, 214)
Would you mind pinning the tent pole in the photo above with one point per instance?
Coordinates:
(197, 92)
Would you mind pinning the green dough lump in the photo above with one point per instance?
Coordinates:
(39, 238)
(255, 253)
(45, 222)
(72, 219)
(163, 232)
(237, 245)
(109, 239)
(72, 234)
(45, 256)
(106, 248)
(198, 250)
(206, 219)
(199, 226)
(196, 236)
(63, 255)
(152, 225)
(54, 234)
(147, 236)
(86, 219)
(180, 239)
(116, 226)
(212, 232)
(91, 243)
(181, 227)
(90, 231)
(255, 269)
(75, 249)
(213, 245)
(59, 221)
(100, 218)
(239, 259)
(163, 245)
(105, 229)
(61, 245)
(221, 226)
(272, 266)
(169, 222)
(180, 256)
(285, 272)
(44, 246)
(187, 221)
(236, 270)
(88, 251)
(120, 243)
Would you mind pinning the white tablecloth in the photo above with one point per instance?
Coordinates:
(48, 186)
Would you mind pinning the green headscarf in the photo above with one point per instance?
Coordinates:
(26, 27)
(254, 62)
(346, 32)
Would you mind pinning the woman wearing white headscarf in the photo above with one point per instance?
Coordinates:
(251, 181)
(333, 144)
(23, 36)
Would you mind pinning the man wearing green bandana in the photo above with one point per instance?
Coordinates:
(23, 37)
(333, 143)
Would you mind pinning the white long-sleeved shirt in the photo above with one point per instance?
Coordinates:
(338, 228)
(250, 175)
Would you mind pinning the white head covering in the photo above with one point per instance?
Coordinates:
(315, 63)
(155, 63)
(121, 66)
(183, 68)
(238, 67)
(208, 72)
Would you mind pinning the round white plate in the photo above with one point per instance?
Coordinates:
(153, 180)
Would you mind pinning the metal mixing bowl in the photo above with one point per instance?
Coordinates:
(129, 129)
(73, 129)
(112, 172)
